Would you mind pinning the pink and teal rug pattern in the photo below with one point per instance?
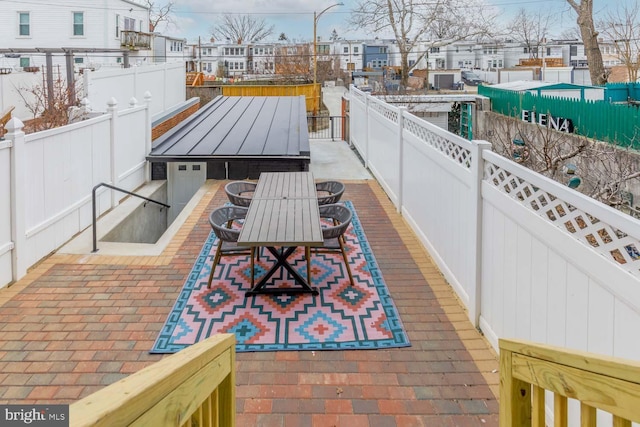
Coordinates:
(341, 317)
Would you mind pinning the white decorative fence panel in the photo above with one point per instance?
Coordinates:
(358, 121)
(131, 158)
(384, 155)
(166, 82)
(63, 165)
(6, 243)
(558, 267)
(529, 257)
(438, 198)
(45, 197)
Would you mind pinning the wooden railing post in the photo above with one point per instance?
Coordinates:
(227, 397)
(515, 395)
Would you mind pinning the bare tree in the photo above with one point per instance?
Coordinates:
(442, 21)
(584, 10)
(572, 33)
(623, 28)
(292, 62)
(239, 28)
(605, 170)
(158, 13)
(531, 28)
(49, 107)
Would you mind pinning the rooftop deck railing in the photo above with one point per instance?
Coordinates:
(530, 258)
(135, 40)
(194, 387)
(581, 386)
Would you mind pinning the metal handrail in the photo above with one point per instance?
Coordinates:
(93, 206)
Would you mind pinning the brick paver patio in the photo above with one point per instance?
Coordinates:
(77, 323)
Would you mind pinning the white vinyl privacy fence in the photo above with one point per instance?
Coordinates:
(165, 81)
(46, 180)
(529, 257)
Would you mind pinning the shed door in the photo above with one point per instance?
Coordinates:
(443, 81)
(184, 179)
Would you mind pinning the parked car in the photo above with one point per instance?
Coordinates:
(471, 78)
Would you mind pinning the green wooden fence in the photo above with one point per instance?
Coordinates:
(614, 123)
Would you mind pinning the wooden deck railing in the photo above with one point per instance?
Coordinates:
(598, 382)
(5, 116)
(195, 79)
(195, 386)
(135, 40)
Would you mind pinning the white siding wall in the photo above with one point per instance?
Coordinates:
(51, 23)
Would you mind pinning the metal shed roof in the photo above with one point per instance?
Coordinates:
(238, 127)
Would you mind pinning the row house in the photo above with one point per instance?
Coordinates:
(169, 49)
(293, 60)
(234, 59)
(75, 24)
(461, 55)
(350, 55)
(377, 55)
(203, 57)
(262, 59)
(339, 57)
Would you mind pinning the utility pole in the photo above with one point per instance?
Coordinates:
(316, 101)
(544, 63)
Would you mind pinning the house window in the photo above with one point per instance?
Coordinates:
(355, 50)
(345, 49)
(78, 23)
(23, 18)
(382, 49)
(24, 62)
(117, 25)
(129, 24)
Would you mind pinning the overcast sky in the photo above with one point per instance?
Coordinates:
(194, 18)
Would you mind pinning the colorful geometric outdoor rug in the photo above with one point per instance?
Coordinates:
(341, 317)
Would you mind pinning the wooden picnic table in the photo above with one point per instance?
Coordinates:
(283, 214)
